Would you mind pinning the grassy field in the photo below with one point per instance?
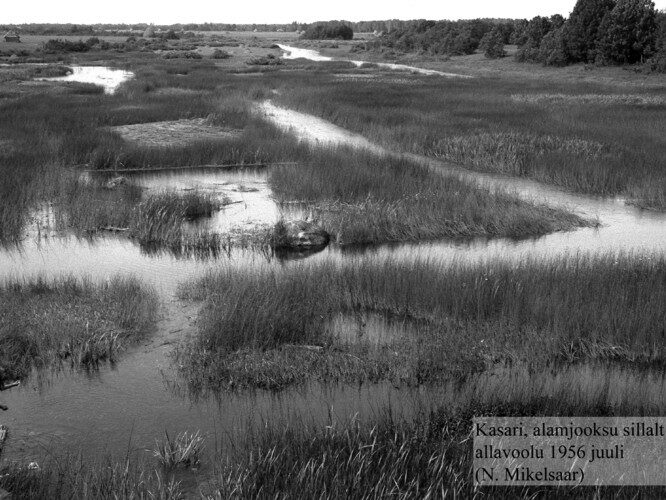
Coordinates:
(44, 323)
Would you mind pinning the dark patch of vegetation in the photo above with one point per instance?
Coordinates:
(55, 46)
(220, 54)
(331, 30)
(598, 31)
(176, 54)
(43, 323)
(268, 60)
(438, 37)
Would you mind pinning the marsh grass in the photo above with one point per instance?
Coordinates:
(78, 478)
(45, 323)
(160, 220)
(360, 197)
(592, 138)
(185, 449)
(90, 206)
(458, 320)
(428, 455)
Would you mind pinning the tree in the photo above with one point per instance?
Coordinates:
(329, 31)
(552, 51)
(627, 34)
(581, 30)
(492, 43)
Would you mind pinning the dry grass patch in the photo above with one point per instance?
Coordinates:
(173, 133)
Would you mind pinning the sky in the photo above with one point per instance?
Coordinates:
(272, 11)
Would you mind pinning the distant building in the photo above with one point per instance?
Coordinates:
(12, 36)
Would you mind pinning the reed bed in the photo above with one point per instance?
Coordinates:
(77, 322)
(272, 329)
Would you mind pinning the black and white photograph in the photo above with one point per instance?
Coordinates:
(333, 250)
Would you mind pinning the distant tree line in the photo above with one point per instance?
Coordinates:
(332, 30)
(447, 37)
(597, 31)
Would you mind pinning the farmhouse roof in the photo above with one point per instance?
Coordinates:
(11, 33)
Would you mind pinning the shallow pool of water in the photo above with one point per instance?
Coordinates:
(108, 78)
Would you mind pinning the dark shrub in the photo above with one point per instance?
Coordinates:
(333, 30)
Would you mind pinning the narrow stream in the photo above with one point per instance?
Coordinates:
(131, 404)
(313, 55)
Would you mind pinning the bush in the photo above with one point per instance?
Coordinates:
(174, 54)
(552, 51)
(332, 30)
(220, 54)
(269, 60)
(492, 44)
(54, 46)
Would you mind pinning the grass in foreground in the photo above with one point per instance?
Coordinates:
(426, 457)
(43, 323)
(273, 328)
(77, 478)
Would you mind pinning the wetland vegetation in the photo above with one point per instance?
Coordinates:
(70, 321)
(576, 335)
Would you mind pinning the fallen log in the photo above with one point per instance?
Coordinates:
(9, 385)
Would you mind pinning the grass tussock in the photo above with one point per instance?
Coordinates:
(44, 323)
(363, 198)
(185, 449)
(273, 329)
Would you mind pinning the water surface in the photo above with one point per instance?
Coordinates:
(108, 78)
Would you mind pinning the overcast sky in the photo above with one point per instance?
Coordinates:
(272, 11)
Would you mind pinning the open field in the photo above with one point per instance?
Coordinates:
(475, 334)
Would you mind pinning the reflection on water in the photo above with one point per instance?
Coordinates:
(108, 78)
